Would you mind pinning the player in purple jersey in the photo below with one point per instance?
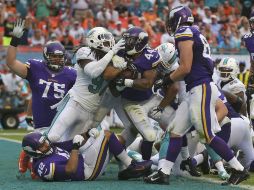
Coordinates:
(137, 92)
(49, 79)
(83, 158)
(248, 40)
(196, 69)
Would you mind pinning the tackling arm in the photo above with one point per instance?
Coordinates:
(171, 92)
(147, 81)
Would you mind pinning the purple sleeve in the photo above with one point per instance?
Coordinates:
(66, 145)
(184, 34)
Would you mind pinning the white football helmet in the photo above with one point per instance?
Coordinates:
(100, 38)
(228, 69)
(167, 53)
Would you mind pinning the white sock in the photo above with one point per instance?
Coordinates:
(155, 159)
(199, 158)
(234, 163)
(219, 166)
(185, 152)
(165, 166)
(123, 156)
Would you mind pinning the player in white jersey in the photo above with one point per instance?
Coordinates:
(228, 81)
(92, 66)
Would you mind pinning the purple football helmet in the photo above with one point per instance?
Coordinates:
(136, 39)
(32, 142)
(54, 54)
(251, 21)
(178, 16)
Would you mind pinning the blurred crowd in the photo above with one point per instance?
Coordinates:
(223, 22)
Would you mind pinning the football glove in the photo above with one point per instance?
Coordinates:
(119, 62)
(18, 29)
(155, 113)
(118, 46)
(94, 133)
(77, 141)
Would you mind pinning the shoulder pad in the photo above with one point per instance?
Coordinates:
(184, 32)
(84, 53)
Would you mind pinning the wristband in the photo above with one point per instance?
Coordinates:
(128, 82)
(75, 146)
(14, 41)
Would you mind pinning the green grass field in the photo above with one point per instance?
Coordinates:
(8, 170)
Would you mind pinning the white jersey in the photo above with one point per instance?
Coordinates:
(86, 89)
(235, 87)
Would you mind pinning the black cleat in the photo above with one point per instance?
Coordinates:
(205, 166)
(186, 165)
(237, 177)
(157, 178)
(135, 170)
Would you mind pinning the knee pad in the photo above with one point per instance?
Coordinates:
(149, 135)
(53, 138)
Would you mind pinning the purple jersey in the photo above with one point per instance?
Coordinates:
(202, 64)
(48, 88)
(231, 112)
(249, 43)
(146, 61)
(52, 167)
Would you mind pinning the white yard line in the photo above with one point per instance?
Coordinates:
(10, 140)
(13, 134)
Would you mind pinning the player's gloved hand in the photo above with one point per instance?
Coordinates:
(119, 62)
(18, 29)
(120, 82)
(157, 85)
(77, 141)
(29, 121)
(155, 113)
(94, 133)
(118, 46)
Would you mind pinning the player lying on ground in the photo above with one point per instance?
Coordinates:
(83, 158)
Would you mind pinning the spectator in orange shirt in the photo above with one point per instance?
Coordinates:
(150, 15)
(147, 27)
(228, 10)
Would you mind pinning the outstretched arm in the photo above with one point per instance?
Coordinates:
(15, 65)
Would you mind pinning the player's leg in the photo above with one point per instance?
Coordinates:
(66, 118)
(139, 118)
(202, 105)
(178, 127)
(241, 139)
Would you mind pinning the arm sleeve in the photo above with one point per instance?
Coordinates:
(96, 68)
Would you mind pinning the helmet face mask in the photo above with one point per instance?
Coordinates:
(228, 69)
(36, 145)
(136, 39)
(54, 54)
(100, 38)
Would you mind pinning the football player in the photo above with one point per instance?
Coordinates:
(196, 69)
(49, 81)
(228, 81)
(79, 106)
(248, 41)
(83, 158)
